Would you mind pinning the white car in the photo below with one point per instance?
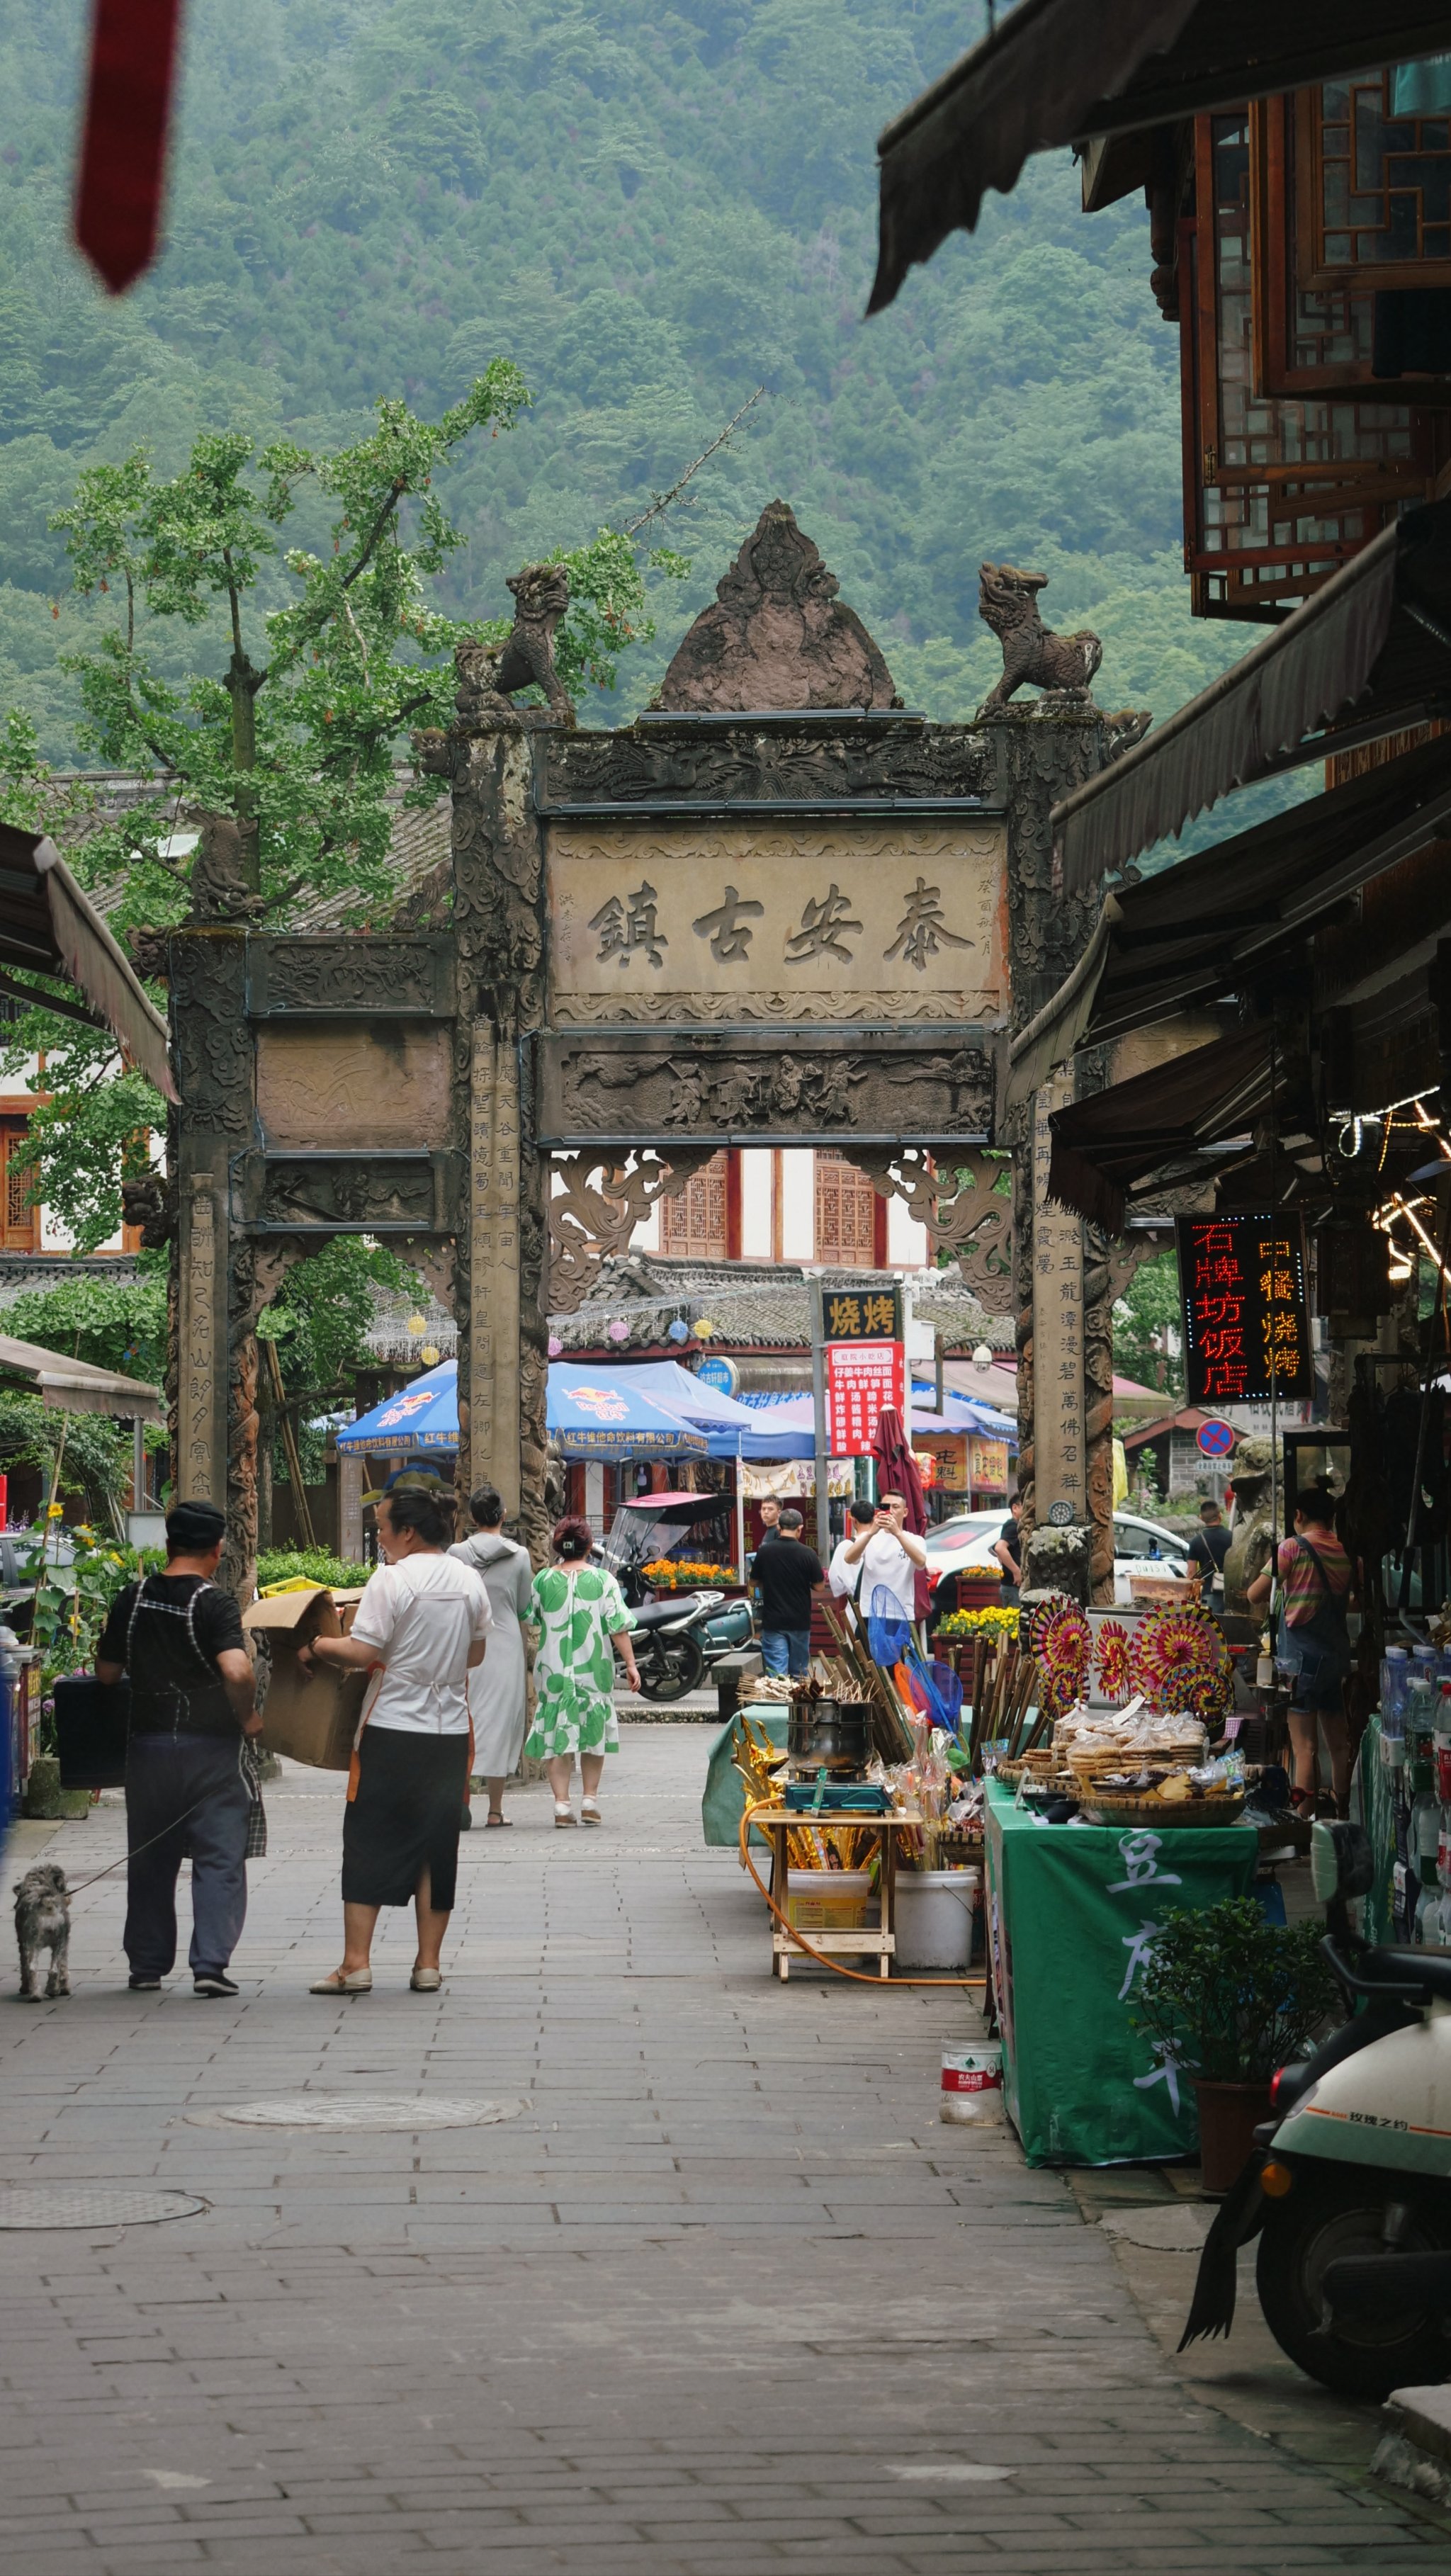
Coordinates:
(968, 1539)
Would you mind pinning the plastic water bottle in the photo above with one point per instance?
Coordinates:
(1395, 1678)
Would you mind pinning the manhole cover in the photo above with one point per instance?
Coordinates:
(356, 2111)
(81, 2206)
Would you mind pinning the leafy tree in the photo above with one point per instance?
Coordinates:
(114, 1323)
(299, 749)
(323, 1309)
(1147, 1344)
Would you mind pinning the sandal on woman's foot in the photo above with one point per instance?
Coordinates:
(426, 1981)
(492, 1822)
(563, 1815)
(589, 1813)
(357, 1981)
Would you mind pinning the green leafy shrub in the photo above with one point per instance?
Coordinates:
(308, 1565)
(1233, 1994)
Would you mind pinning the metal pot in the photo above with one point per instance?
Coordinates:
(831, 1734)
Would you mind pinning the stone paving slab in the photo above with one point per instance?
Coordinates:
(725, 2296)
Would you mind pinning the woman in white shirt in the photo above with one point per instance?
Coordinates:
(421, 1623)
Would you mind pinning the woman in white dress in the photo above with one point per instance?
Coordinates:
(496, 1687)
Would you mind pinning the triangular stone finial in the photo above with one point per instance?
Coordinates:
(777, 636)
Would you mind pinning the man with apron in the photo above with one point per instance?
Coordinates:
(191, 1786)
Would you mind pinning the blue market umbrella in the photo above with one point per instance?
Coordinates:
(423, 1416)
(598, 1413)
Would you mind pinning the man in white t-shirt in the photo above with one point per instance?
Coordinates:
(841, 1576)
(889, 1554)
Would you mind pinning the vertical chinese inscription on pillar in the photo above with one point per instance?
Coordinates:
(1060, 1455)
(200, 1476)
(494, 1265)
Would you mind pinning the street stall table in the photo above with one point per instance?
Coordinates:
(1072, 1911)
(867, 1941)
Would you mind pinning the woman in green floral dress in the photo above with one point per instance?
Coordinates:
(581, 1613)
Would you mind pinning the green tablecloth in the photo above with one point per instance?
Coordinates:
(724, 1802)
(1071, 1913)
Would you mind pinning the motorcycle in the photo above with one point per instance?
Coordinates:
(679, 1637)
(677, 1640)
(1348, 2188)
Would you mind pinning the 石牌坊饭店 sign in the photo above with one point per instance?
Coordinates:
(862, 1378)
(1245, 1310)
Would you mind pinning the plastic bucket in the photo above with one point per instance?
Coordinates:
(972, 2084)
(932, 1913)
(827, 1900)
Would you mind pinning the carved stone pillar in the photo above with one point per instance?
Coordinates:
(216, 1383)
(500, 1265)
(1044, 752)
(492, 1324)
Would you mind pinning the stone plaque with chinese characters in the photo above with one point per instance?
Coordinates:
(769, 921)
(1060, 1448)
(1246, 1317)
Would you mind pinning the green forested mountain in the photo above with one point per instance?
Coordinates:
(651, 208)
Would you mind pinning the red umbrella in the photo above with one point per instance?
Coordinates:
(897, 1474)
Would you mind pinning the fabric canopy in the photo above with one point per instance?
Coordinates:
(604, 1413)
(1057, 71)
(1199, 930)
(1169, 1116)
(1367, 655)
(74, 1386)
(48, 926)
(423, 1416)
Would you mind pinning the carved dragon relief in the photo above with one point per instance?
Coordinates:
(959, 1206)
(596, 1211)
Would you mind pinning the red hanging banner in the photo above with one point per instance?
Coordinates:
(123, 157)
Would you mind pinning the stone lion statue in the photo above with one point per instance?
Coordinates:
(1007, 601)
(488, 675)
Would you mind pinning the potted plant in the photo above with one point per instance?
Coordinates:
(1235, 1996)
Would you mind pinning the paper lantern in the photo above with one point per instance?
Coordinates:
(679, 1332)
(429, 1354)
(417, 1324)
(618, 1331)
(704, 1328)
(555, 1346)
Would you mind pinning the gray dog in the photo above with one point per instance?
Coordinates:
(43, 1922)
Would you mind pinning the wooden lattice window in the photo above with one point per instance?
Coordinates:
(695, 1220)
(1378, 183)
(1282, 488)
(20, 1229)
(1314, 303)
(846, 1214)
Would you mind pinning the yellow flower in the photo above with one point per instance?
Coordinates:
(55, 1511)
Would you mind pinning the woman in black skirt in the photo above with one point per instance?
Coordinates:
(423, 1618)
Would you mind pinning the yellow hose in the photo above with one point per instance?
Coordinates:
(767, 1806)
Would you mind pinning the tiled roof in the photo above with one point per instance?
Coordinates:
(754, 1306)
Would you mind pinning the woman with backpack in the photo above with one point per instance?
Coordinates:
(1316, 1580)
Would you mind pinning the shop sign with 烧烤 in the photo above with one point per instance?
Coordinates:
(1245, 1310)
(862, 1378)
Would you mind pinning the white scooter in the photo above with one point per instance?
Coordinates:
(1349, 2186)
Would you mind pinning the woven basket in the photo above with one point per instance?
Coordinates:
(1159, 1812)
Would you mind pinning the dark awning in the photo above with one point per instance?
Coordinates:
(1060, 71)
(1163, 1122)
(48, 926)
(1199, 930)
(1367, 655)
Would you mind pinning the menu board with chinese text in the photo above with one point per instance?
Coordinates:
(1246, 1313)
(861, 1378)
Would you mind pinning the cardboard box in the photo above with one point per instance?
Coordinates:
(311, 1717)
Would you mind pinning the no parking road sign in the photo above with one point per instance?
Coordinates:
(1216, 1438)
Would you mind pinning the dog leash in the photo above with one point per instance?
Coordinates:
(135, 1850)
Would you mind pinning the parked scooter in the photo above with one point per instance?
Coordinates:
(677, 1637)
(1349, 2185)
